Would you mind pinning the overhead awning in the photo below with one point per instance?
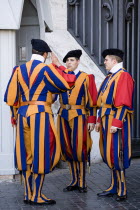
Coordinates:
(10, 14)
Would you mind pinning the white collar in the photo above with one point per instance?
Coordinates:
(38, 57)
(76, 71)
(116, 67)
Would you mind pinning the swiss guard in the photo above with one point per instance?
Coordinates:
(29, 94)
(115, 103)
(76, 120)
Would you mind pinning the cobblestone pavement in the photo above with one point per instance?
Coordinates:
(11, 192)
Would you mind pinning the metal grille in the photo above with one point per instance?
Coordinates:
(101, 24)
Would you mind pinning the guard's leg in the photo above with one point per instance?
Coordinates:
(64, 132)
(74, 177)
(74, 173)
(122, 192)
(23, 154)
(27, 177)
(113, 187)
(38, 197)
(82, 176)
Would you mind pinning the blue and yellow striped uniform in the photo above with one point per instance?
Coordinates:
(115, 102)
(37, 148)
(33, 81)
(72, 125)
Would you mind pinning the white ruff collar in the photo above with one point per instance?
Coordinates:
(116, 68)
(38, 57)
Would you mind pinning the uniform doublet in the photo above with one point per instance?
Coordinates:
(33, 82)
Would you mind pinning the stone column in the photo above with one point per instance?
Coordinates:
(7, 62)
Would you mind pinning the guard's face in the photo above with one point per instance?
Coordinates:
(72, 63)
(109, 62)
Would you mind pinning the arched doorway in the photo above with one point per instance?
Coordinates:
(29, 29)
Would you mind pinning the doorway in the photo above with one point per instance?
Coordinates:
(29, 29)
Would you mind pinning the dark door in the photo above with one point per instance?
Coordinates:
(29, 29)
(101, 24)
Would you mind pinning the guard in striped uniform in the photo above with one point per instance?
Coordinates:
(76, 119)
(115, 102)
(28, 93)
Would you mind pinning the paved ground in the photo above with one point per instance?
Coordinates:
(11, 192)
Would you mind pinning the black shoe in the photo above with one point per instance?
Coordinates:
(49, 202)
(121, 198)
(105, 193)
(82, 189)
(27, 201)
(70, 188)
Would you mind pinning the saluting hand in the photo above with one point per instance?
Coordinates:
(55, 60)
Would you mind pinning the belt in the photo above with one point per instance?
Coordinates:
(106, 105)
(35, 103)
(68, 106)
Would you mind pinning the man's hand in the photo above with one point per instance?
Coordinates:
(13, 121)
(113, 129)
(91, 127)
(97, 127)
(55, 60)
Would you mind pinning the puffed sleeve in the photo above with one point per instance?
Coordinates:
(123, 100)
(92, 99)
(68, 77)
(11, 96)
(57, 80)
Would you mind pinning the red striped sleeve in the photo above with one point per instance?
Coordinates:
(124, 91)
(92, 89)
(70, 78)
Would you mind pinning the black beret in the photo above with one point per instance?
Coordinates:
(72, 53)
(40, 45)
(113, 51)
